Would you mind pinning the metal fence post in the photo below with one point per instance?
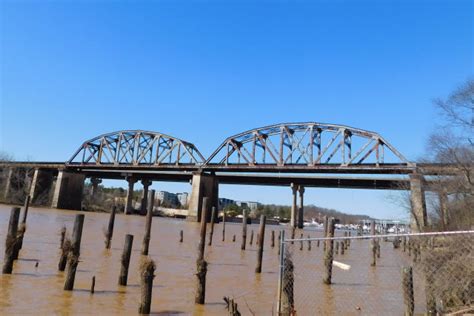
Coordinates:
(281, 271)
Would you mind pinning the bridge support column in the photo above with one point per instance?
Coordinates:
(443, 208)
(8, 184)
(294, 189)
(419, 218)
(301, 208)
(41, 185)
(146, 184)
(128, 204)
(95, 186)
(203, 184)
(68, 190)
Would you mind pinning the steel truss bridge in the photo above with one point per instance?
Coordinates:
(272, 155)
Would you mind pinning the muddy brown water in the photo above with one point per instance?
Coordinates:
(39, 290)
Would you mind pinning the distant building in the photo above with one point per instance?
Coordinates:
(223, 203)
(182, 198)
(253, 206)
(167, 198)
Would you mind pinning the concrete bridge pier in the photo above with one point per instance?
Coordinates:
(301, 208)
(443, 207)
(68, 190)
(8, 183)
(128, 204)
(146, 184)
(293, 219)
(95, 186)
(203, 184)
(41, 186)
(419, 219)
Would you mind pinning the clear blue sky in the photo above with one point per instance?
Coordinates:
(204, 70)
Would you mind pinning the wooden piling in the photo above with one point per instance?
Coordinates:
(65, 245)
(181, 235)
(233, 238)
(22, 226)
(343, 245)
(337, 247)
(63, 236)
(202, 239)
(244, 230)
(378, 248)
(407, 288)
(201, 265)
(317, 243)
(74, 253)
(328, 254)
(279, 242)
(261, 239)
(373, 244)
(273, 239)
(213, 220)
(125, 260)
(11, 241)
(301, 242)
(149, 218)
(251, 238)
(93, 285)
(309, 243)
(325, 226)
(147, 273)
(110, 228)
(223, 225)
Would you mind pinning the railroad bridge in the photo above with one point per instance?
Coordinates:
(296, 155)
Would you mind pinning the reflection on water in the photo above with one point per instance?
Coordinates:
(230, 273)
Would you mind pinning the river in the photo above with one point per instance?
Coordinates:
(39, 289)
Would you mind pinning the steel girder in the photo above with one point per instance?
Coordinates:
(305, 144)
(136, 148)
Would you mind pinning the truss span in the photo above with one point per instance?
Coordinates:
(136, 148)
(306, 144)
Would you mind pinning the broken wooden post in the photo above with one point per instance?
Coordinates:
(407, 288)
(261, 239)
(301, 242)
(279, 243)
(337, 247)
(204, 216)
(125, 260)
(342, 247)
(147, 273)
(93, 285)
(74, 253)
(65, 245)
(149, 218)
(110, 228)
(309, 243)
(258, 238)
(201, 281)
(181, 235)
(11, 241)
(223, 225)
(317, 243)
(213, 220)
(233, 238)
(63, 236)
(293, 231)
(373, 244)
(273, 239)
(251, 237)
(328, 254)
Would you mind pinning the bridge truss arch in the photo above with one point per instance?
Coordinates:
(136, 148)
(307, 144)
